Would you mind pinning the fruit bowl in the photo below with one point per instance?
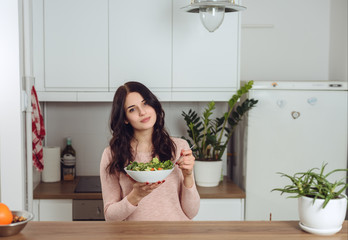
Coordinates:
(149, 176)
(15, 228)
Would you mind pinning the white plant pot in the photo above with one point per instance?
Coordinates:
(322, 221)
(207, 173)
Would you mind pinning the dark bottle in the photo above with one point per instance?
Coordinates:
(68, 156)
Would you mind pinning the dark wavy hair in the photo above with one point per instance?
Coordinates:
(122, 134)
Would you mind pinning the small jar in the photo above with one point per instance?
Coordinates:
(68, 172)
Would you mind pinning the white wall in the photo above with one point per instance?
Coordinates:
(12, 167)
(87, 125)
(338, 40)
(294, 40)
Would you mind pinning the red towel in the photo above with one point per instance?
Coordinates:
(38, 129)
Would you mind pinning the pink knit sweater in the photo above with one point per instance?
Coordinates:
(171, 201)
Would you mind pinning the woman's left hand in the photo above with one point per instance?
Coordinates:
(186, 162)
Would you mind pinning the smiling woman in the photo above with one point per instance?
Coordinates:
(139, 135)
(139, 114)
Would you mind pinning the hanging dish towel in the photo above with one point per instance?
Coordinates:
(38, 129)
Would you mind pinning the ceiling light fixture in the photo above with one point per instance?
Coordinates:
(212, 12)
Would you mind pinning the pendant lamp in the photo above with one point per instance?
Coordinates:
(212, 12)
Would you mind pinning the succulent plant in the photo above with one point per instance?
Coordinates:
(315, 185)
(207, 134)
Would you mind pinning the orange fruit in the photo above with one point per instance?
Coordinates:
(6, 216)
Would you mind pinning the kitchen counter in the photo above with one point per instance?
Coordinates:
(62, 190)
(171, 230)
(226, 189)
(65, 190)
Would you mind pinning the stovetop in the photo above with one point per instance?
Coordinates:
(88, 184)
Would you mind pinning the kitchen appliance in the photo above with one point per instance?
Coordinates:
(88, 209)
(295, 126)
(88, 184)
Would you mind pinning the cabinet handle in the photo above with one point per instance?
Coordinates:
(257, 25)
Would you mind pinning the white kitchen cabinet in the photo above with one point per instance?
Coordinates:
(52, 209)
(293, 40)
(84, 50)
(229, 209)
(205, 65)
(70, 45)
(140, 38)
(210, 210)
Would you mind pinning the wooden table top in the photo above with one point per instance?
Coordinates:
(65, 190)
(253, 230)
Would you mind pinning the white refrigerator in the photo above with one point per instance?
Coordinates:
(294, 127)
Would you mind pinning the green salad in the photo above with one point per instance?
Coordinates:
(153, 165)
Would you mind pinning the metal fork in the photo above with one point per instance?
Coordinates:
(181, 156)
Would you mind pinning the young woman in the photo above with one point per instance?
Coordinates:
(138, 134)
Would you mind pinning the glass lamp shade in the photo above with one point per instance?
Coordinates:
(212, 16)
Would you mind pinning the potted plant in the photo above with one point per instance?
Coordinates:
(322, 205)
(210, 136)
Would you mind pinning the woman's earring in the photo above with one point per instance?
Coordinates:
(126, 122)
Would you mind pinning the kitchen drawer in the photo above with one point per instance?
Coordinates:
(88, 210)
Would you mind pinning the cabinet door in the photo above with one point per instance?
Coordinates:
(76, 45)
(204, 61)
(55, 210)
(140, 43)
(221, 210)
(288, 40)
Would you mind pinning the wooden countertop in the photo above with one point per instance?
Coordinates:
(226, 189)
(288, 230)
(65, 190)
(62, 190)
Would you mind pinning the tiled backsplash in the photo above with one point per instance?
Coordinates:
(88, 126)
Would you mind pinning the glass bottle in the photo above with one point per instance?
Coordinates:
(68, 157)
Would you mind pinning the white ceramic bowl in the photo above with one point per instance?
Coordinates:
(149, 176)
(15, 228)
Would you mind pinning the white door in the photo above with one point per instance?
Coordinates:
(291, 131)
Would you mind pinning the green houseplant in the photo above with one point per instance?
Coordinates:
(322, 204)
(210, 136)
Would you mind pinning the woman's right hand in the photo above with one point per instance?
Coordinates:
(141, 190)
